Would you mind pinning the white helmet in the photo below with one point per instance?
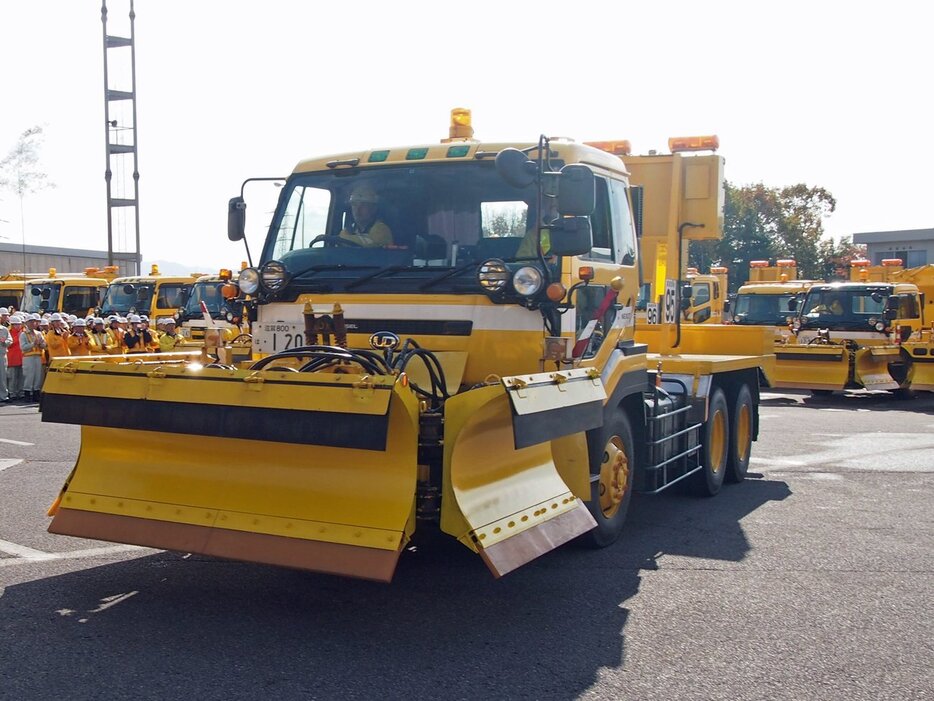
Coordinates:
(4, 311)
(80, 322)
(56, 317)
(134, 318)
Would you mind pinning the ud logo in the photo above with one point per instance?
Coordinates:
(384, 340)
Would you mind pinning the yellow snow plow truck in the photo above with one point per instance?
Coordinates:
(447, 342)
(850, 335)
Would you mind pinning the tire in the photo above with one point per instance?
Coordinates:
(714, 446)
(611, 453)
(741, 429)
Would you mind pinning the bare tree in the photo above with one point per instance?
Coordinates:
(19, 172)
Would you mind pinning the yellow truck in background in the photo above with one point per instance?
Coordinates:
(849, 335)
(214, 318)
(11, 291)
(447, 340)
(766, 299)
(708, 299)
(154, 295)
(67, 293)
(919, 348)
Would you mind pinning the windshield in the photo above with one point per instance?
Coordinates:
(10, 300)
(78, 300)
(122, 296)
(761, 309)
(844, 308)
(416, 220)
(210, 294)
(41, 297)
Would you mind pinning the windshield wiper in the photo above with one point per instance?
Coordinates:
(338, 266)
(449, 274)
(388, 270)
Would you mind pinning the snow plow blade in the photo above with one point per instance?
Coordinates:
(812, 367)
(308, 470)
(921, 370)
(511, 451)
(871, 368)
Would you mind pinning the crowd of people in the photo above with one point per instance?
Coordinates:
(28, 343)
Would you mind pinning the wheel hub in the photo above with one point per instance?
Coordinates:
(614, 476)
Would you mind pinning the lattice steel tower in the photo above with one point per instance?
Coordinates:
(120, 139)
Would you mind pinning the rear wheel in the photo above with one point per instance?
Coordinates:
(611, 477)
(715, 446)
(740, 436)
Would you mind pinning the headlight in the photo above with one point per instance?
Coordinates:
(273, 275)
(880, 326)
(493, 275)
(248, 280)
(230, 317)
(527, 280)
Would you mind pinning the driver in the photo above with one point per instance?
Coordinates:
(832, 306)
(367, 230)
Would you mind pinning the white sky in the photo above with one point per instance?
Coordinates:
(826, 93)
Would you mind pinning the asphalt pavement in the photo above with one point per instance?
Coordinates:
(810, 580)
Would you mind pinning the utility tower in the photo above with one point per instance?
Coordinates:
(122, 172)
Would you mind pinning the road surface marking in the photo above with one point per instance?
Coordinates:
(12, 442)
(22, 554)
(9, 462)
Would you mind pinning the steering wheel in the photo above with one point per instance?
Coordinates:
(334, 242)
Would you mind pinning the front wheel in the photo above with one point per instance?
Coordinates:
(714, 446)
(611, 476)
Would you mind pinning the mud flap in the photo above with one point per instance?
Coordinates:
(503, 495)
(240, 465)
(871, 369)
(812, 367)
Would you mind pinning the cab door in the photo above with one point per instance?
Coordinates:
(604, 315)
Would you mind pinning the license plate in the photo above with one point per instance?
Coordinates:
(278, 336)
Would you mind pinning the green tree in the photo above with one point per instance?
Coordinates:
(765, 222)
(835, 257)
(19, 172)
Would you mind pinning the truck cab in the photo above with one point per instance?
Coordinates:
(708, 296)
(154, 295)
(66, 293)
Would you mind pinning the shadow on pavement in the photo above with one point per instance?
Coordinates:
(168, 625)
(857, 400)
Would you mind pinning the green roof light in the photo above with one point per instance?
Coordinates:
(458, 151)
(416, 154)
(378, 157)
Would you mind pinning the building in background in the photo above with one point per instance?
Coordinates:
(914, 246)
(38, 259)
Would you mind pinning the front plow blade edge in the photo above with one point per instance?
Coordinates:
(339, 510)
(508, 504)
(872, 367)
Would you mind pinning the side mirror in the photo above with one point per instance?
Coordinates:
(128, 289)
(892, 302)
(576, 191)
(46, 293)
(890, 314)
(236, 219)
(687, 292)
(792, 304)
(726, 306)
(35, 291)
(513, 166)
(570, 236)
